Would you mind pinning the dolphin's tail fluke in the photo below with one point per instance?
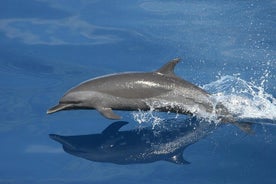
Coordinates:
(227, 117)
(246, 127)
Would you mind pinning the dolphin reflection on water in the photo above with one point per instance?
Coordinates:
(141, 145)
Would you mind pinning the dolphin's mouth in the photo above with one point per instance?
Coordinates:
(58, 107)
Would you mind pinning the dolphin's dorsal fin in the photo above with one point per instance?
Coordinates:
(114, 127)
(168, 68)
(177, 158)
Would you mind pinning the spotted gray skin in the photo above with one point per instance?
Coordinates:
(160, 90)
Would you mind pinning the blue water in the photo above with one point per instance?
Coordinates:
(49, 46)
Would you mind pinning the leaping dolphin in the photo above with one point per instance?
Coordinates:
(160, 90)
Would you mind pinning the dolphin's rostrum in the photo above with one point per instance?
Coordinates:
(160, 90)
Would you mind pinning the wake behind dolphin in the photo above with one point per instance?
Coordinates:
(160, 90)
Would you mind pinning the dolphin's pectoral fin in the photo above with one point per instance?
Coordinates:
(114, 127)
(168, 68)
(108, 113)
(177, 159)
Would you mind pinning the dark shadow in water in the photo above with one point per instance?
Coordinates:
(141, 145)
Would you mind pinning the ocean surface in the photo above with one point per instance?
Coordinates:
(49, 46)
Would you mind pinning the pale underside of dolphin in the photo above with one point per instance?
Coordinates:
(159, 90)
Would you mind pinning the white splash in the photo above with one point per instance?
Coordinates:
(244, 99)
(147, 117)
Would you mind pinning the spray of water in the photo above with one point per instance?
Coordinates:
(243, 99)
(147, 117)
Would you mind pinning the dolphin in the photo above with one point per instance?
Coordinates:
(140, 145)
(160, 90)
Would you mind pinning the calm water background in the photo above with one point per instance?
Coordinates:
(48, 46)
